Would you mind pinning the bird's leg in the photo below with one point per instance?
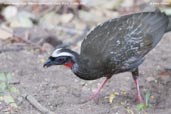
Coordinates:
(96, 94)
(135, 75)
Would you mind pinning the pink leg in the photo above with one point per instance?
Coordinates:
(96, 94)
(135, 75)
(139, 98)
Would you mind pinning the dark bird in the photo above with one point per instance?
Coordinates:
(115, 46)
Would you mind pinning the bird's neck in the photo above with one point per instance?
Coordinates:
(83, 71)
(80, 68)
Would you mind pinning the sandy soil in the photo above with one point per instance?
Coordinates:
(61, 92)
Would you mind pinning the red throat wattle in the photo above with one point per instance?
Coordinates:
(69, 64)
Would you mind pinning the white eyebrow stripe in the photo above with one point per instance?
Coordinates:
(58, 49)
(55, 54)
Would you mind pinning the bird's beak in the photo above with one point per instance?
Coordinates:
(48, 63)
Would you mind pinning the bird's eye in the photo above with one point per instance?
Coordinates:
(61, 59)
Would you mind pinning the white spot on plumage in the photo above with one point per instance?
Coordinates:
(111, 52)
(118, 42)
(101, 24)
(141, 44)
(132, 59)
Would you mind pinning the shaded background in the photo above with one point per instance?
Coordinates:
(31, 30)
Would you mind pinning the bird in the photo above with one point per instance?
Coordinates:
(115, 46)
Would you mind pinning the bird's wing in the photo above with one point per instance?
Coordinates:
(124, 40)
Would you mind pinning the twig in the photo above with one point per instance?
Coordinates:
(11, 49)
(14, 82)
(36, 104)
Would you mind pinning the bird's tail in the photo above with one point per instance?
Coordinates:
(169, 25)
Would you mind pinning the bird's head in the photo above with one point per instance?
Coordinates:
(62, 56)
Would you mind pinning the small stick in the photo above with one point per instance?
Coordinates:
(36, 104)
(11, 49)
(14, 82)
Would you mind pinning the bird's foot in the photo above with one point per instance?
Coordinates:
(95, 96)
(139, 99)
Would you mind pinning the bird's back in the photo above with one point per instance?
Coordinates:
(121, 43)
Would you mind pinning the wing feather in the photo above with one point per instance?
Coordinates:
(123, 41)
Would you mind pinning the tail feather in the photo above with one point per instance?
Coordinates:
(169, 25)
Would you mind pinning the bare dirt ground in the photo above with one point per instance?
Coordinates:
(61, 92)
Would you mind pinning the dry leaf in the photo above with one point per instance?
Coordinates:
(112, 96)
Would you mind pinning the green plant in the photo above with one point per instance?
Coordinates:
(6, 89)
(145, 105)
